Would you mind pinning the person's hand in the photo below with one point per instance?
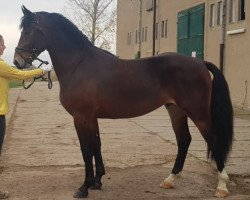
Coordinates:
(46, 68)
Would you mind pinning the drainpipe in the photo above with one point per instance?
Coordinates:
(222, 39)
(154, 20)
(140, 27)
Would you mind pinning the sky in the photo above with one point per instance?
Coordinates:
(10, 15)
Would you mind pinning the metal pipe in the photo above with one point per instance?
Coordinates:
(154, 21)
(222, 39)
(140, 28)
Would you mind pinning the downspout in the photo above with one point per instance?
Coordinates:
(154, 20)
(140, 28)
(222, 39)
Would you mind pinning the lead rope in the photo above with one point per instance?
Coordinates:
(42, 77)
(49, 80)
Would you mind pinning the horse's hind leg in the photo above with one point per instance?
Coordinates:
(183, 137)
(205, 127)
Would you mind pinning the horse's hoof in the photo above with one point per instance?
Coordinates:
(221, 193)
(96, 186)
(81, 194)
(166, 185)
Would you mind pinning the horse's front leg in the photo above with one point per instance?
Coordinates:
(100, 170)
(84, 127)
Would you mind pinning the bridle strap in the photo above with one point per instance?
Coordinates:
(33, 57)
(50, 84)
(25, 50)
(30, 60)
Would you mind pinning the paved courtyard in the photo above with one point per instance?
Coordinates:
(41, 135)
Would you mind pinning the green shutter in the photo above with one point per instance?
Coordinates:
(183, 33)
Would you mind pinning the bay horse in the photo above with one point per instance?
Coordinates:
(96, 84)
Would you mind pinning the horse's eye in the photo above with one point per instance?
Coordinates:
(25, 32)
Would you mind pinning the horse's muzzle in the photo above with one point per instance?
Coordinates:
(17, 64)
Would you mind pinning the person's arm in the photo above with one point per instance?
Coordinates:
(9, 72)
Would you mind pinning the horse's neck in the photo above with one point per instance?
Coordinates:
(65, 59)
(59, 61)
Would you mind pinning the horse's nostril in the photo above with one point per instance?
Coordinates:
(17, 65)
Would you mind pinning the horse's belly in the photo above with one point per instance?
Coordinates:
(127, 111)
(119, 106)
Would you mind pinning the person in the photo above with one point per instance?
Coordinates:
(8, 72)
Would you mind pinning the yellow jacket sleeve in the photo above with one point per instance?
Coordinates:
(6, 71)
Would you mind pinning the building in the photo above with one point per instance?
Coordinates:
(213, 30)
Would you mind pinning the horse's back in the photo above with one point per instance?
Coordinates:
(118, 88)
(145, 84)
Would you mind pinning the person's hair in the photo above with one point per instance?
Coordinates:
(1, 37)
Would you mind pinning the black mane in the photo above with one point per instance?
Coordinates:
(58, 20)
(65, 25)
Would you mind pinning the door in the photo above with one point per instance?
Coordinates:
(190, 33)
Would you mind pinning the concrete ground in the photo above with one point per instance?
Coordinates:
(42, 158)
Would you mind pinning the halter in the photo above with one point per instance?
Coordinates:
(32, 58)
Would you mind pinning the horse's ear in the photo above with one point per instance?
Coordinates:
(27, 12)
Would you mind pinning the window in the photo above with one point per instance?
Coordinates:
(231, 11)
(156, 31)
(212, 15)
(136, 36)
(139, 36)
(142, 36)
(162, 28)
(129, 38)
(150, 5)
(146, 34)
(219, 13)
(241, 12)
(166, 28)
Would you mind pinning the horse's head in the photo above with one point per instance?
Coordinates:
(32, 41)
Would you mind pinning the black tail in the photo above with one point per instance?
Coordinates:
(222, 116)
